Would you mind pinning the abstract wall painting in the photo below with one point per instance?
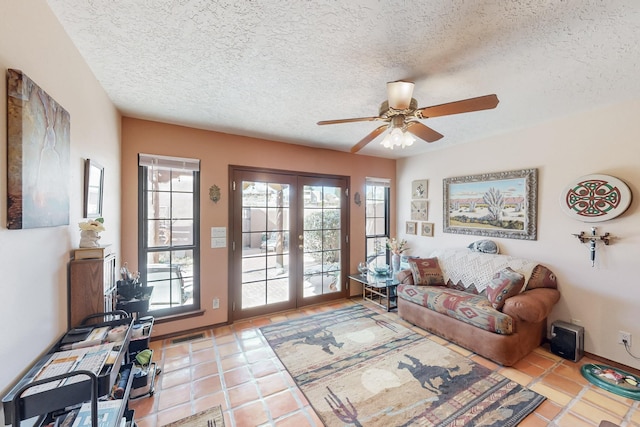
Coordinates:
(38, 152)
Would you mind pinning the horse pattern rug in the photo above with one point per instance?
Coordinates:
(357, 367)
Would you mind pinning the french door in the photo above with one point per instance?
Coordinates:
(289, 240)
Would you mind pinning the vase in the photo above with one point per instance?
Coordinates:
(89, 239)
(395, 262)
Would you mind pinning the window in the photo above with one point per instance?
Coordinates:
(376, 220)
(169, 232)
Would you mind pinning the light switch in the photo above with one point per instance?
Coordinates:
(220, 232)
(218, 242)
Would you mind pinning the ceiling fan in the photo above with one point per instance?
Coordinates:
(402, 115)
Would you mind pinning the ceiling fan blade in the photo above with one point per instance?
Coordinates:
(486, 102)
(423, 132)
(399, 94)
(358, 119)
(367, 139)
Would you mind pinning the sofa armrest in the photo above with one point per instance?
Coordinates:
(405, 277)
(533, 305)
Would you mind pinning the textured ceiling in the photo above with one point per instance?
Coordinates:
(272, 69)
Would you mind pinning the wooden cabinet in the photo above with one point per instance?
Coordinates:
(92, 287)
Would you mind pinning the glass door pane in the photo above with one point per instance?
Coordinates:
(289, 234)
(322, 236)
(265, 273)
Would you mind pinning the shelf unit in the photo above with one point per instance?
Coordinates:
(45, 404)
(380, 290)
(144, 382)
(92, 287)
(384, 296)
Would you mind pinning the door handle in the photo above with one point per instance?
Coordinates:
(301, 240)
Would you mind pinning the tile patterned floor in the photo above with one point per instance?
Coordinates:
(233, 366)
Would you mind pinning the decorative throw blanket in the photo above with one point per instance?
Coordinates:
(464, 268)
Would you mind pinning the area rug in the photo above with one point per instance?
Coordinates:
(211, 417)
(358, 367)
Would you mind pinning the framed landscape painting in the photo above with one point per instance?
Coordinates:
(500, 204)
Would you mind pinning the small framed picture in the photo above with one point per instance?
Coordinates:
(426, 229)
(419, 189)
(419, 210)
(412, 227)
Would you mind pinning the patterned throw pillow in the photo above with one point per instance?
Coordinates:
(426, 271)
(505, 284)
(542, 277)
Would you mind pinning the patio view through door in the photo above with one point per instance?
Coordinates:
(289, 238)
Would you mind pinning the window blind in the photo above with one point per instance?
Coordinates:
(166, 162)
(380, 182)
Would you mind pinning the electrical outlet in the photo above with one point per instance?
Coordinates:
(216, 303)
(624, 336)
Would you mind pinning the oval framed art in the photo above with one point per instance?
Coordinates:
(595, 198)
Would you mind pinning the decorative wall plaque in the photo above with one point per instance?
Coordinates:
(595, 198)
(419, 210)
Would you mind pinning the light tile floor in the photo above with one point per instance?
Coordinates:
(233, 366)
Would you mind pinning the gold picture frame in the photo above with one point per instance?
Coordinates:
(426, 229)
(411, 227)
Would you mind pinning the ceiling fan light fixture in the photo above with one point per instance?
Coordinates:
(386, 141)
(407, 140)
(399, 94)
(397, 138)
(402, 116)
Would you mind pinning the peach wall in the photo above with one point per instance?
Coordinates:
(217, 151)
(34, 262)
(604, 299)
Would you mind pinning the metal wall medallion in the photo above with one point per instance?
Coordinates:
(595, 198)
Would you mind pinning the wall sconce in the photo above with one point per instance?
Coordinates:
(214, 193)
(593, 239)
(356, 199)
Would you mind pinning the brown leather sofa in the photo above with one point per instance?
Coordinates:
(526, 313)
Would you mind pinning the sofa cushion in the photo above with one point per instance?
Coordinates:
(505, 284)
(475, 310)
(405, 276)
(542, 277)
(426, 271)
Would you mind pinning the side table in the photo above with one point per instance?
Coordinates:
(380, 290)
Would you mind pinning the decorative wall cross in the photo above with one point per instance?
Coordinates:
(593, 239)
